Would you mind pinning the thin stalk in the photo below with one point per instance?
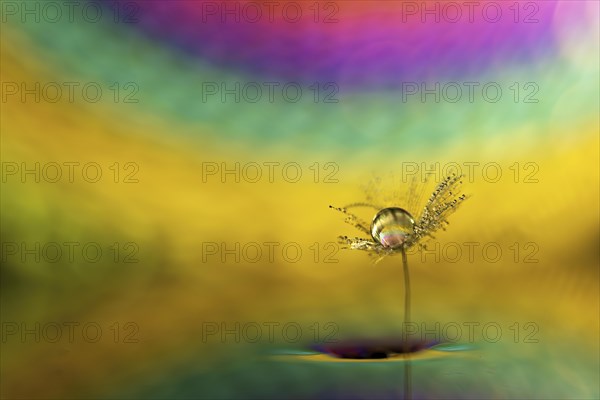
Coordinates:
(407, 366)
(406, 289)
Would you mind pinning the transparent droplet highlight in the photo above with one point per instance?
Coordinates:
(392, 227)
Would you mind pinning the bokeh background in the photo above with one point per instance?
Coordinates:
(153, 61)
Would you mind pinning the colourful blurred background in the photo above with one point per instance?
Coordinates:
(162, 131)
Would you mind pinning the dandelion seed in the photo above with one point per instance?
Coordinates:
(394, 229)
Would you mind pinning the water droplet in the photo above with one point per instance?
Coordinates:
(392, 227)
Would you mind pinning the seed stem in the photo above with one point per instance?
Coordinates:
(406, 349)
(406, 289)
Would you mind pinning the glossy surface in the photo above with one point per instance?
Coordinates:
(392, 227)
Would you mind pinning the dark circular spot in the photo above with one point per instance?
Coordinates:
(370, 349)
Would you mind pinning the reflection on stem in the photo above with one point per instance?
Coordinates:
(407, 366)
